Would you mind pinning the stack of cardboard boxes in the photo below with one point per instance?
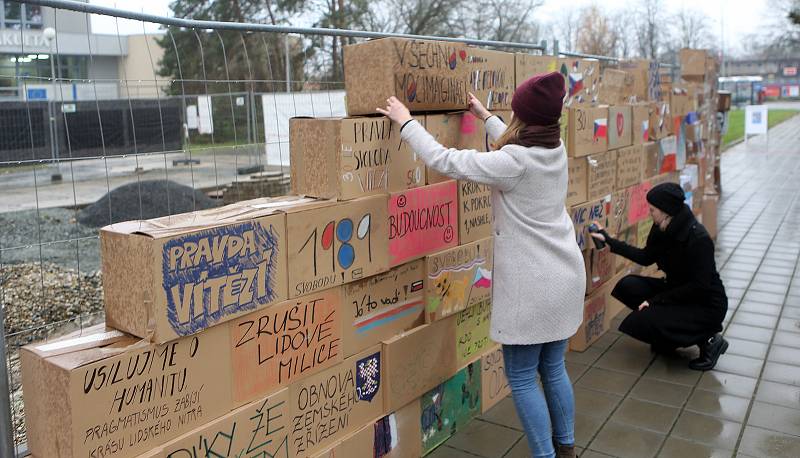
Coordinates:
(351, 318)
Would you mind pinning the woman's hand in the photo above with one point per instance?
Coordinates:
(396, 111)
(644, 305)
(597, 235)
(477, 108)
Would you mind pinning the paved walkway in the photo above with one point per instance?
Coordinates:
(632, 404)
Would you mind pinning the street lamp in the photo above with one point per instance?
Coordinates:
(49, 35)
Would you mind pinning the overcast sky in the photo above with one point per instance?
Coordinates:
(741, 17)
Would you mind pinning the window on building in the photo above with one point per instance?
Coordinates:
(18, 15)
(17, 69)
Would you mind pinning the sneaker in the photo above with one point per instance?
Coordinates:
(710, 352)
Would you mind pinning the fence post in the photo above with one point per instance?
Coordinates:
(288, 64)
(6, 421)
(555, 48)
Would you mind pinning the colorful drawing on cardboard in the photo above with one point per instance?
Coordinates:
(639, 207)
(422, 220)
(454, 286)
(368, 377)
(600, 129)
(450, 406)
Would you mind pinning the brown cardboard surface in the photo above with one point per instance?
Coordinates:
(645, 78)
(710, 205)
(628, 207)
(616, 87)
(472, 332)
(122, 398)
(630, 166)
(588, 130)
(583, 215)
(528, 65)
(693, 62)
(620, 131)
(650, 161)
(577, 190)
(582, 78)
(175, 276)
(594, 321)
(406, 432)
(423, 74)
(336, 244)
(380, 307)
(326, 407)
(679, 103)
(494, 384)
(600, 267)
(660, 125)
(260, 428)
(285, 343)
(491, 77)
(417, 361)
(474, 211)
(602, 169)
(359, 443)
(458, 278)
(640, 123)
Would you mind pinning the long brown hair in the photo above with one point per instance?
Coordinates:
(511, 135)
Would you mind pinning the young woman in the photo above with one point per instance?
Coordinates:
(686, 308)
(539, 279)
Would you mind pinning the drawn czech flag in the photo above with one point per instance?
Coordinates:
(600, 129)
(482, 279)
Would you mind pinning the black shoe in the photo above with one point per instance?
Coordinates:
(710, 351)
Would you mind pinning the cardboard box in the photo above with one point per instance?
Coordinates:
(472, 332)
(602, 169)
(616, 87)
(396, 435)
(175, 276)
(582, 78)
(660, 124)
(103, 392)
(458, 278)
(594, 321)
(491, 77)
(474, 211)
(336, 243)
(646, 81)
(710, 205)
(260, 428)
(583, 215)
(417, 361)
(494, 384)
(285, 343)
(600, 267)
(577, 189)
(423, 74)
(620, 129)
(347, 158)
(528, 65)
(422, 221)
(380, 307)
(449, 407)
(630, 166)
(628, 207)
(679, 103)
(640, 123)
(643, 232)
(328, 406)
(667, 154)
(693, 62)
(588, 130)
(651, 153)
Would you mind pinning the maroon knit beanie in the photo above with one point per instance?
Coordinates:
(539, 100)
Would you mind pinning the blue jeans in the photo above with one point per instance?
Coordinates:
(545, 416)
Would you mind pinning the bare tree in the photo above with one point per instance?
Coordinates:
(626, 38)
(781, 32)
(691, 29)
(565, 29)
(597, 34)
(650, 26)
(500, 20)
(422, 17)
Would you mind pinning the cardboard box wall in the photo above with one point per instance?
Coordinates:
(640, 122)
(475, 216)
(650, 152)
(616, 87)
(620, 118)
(646, 81)
(660, 125)
(588, 130)
(582, 79)
(494, 384)
(630, 166)
(380, 307)
(472, 333)
(93, 393)
(600, 309)
(602, 169)
(458, 278)
(418, 360)
(577, 189)
(492, 77)
(449, 407)
(601, 265)
(425, 75)
(528, 65)
(583, 215)
(155, 272)
(628, 207)
(347, 158)
(422, 221)
(693, 62)
(330, 405)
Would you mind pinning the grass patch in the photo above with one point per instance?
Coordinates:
(736, 123)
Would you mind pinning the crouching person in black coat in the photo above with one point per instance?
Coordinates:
(688, 306)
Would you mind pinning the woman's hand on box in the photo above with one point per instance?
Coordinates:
(477, 108)
(396, 111)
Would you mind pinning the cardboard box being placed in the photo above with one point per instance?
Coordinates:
(640, 123)
(336, 243)
(588, 130)
(423, 74)
(458, 278)
(600, 267)
(582, 78)
(619, 126)
(326, 407)
(602, 169)
(494, 384)
(474, 211)
(257, 429)
(528, 65)
(491, 77)
(103, 392)
(380, 307)
(346, 158)
(577, 190)
(449, 407)
(583, 215)
(417, 361)
(175, 276)
(630, 166)
(422, 221)
(285, 343)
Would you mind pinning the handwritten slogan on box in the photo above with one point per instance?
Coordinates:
(422, 221)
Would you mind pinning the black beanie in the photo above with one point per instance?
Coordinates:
(667, 197)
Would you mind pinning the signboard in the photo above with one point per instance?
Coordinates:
(755, 120)
(789, 71)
